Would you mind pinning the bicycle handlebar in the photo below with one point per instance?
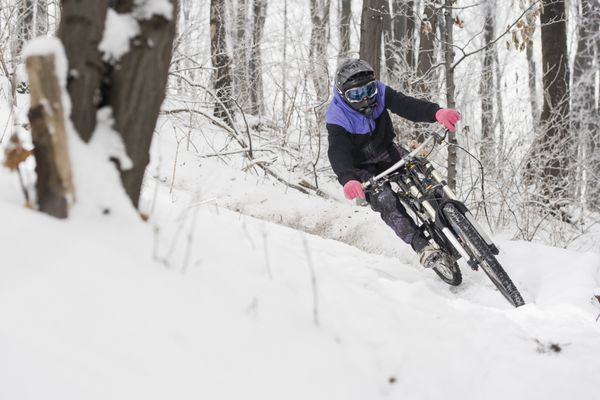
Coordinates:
(403, 160)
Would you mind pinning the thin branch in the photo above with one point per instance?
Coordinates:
(465, 55)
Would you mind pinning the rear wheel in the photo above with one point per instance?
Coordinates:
(448, 270)
(480, 250)
(449, 273)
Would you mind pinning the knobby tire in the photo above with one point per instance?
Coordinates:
(482, 252)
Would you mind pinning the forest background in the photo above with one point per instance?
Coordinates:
(524, 74)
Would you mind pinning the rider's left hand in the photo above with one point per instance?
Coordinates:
(447, 117)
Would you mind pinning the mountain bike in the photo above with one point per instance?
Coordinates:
(444, 219)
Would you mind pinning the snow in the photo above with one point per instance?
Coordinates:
(214, 296)
(46, 45)
(118, 32)
(146, 9)
(204, 301)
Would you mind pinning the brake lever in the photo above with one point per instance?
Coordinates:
(440, 139)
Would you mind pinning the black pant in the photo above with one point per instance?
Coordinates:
(392, 212)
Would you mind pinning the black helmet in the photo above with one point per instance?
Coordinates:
(353, 73)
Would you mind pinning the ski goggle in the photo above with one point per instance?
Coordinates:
(358, 94)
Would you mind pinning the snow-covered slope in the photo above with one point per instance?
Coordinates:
(206, 302)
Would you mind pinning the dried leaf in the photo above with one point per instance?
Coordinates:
(507, 45)
(15, 154)
(522, 46)
(515, 39)
(413, 144)
(520, 24)
(459, 22)
(427, 27)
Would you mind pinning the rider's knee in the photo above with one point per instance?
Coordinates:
(384, 201)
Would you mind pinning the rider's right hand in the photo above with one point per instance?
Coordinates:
(353, 189)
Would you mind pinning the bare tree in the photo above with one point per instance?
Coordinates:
(389, 43)
(319, 38)
(255, 63)
(530, 22)
(241, 78)
(345, 18)
(556, 144)
(31, 21)
(404, 26)
(426, 57)
(584, 111)
(450, 99)
(371, 30)
(220, 61)
(486, 90)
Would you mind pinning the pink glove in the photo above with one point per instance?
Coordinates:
(447, 117)
(353, 189)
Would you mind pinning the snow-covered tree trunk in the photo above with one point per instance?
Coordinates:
(531, 18)
(137, 89)
(48, 131)
(132, 82)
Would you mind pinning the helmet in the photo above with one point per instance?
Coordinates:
(354, 73)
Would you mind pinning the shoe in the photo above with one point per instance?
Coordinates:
(430, 256)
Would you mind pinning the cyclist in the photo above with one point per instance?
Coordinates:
(361, 145)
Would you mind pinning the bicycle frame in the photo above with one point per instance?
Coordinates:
(432, 211)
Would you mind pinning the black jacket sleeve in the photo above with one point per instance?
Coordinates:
(340, 154)
(410, 108)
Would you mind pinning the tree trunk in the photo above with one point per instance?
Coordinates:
(241, 78)
(81, 29)
(319, 37)
(371, 29)
(426, 48)
(450, 102)
(46, 115)
(345, 19)
(410, 34)
(255, 65)
(220, 60)
(584, 113)
(556, 150)
(141, 80)
(486, 89)
(389, 45)
(134, 86)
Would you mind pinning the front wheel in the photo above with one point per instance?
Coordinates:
(480, 251)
